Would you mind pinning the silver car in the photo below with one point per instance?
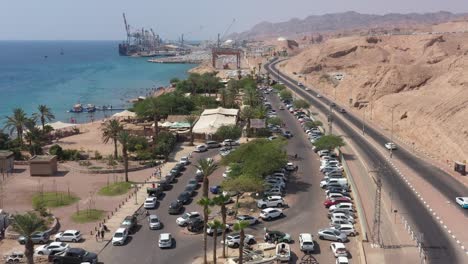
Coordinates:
(154, 222)
(332, 234)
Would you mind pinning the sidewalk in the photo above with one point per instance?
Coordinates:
(132, 204)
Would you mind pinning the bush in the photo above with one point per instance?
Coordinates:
(165, 143)
(136, 143)
(71, 154)
(97, 155)
(40, 207)
(262, 132)
(231, 132)
(144, 155)
(56, 150)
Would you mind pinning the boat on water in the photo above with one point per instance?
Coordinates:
(283, 252)
(77, 108)
(90, 108)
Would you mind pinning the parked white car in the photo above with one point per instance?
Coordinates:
(233, 240)
(119, 237)
(150, 202)
(270, 201)
(68, 236)
(345, 228)
(341, 206)
(201, 148)
(52, 247)
(306, 242)
(343, 216)
(230, 142)
(339, 249)
(342, 260)
(270, 213)
(250, 219)
(184, 161)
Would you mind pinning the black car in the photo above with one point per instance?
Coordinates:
(164, 184)
(190, 188)
(194, 182)
(75, 256)
(184, 197)
(195, 225)
(175, 207)
(199, 177)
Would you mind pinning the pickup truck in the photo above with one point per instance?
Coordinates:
(75, 256)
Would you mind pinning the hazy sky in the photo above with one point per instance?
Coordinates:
(198, 19)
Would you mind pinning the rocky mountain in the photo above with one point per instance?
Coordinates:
(342, 22)
(422, 76)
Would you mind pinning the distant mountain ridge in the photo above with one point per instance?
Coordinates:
(343, 21)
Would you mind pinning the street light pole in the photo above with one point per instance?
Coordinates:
(391, 136)
(363, 119)
(330, 120)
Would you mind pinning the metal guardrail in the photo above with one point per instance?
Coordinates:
(360, 211)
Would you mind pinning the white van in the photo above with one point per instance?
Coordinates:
(306, 242)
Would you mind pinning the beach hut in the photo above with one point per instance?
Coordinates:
(7, 160)
(43, 165)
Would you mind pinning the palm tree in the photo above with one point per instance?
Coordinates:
(205, 202)
(150, 108)
(110, 131)
(45, 113)
(247, 114)
(27, 224)
(207, 167)
(17, 122)
(34, 135)
(240, 226)
(191, 119)
(124, 139)
(215, 225)
(221, 201)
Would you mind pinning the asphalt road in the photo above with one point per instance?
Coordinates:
(305, 213)
(437, 244)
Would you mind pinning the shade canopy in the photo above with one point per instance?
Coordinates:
(125, 114)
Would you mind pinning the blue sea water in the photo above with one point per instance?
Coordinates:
(35, 72)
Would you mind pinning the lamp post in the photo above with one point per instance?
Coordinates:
(363, 123)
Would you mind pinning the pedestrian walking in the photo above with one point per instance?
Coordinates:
(97, 235)
(102, 234)
(105, 227)
(297, 168)
(295, 156)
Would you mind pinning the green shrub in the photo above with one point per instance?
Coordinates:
(262, 132)
(137, 143)
(56, 150)
(144, 155)
(97, 155)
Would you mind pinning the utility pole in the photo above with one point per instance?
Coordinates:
(391, 135)
(330, 120)
(377, 208)
(363, 120)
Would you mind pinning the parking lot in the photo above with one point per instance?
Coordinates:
(303, 211)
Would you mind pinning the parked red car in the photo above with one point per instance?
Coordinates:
(331, 202)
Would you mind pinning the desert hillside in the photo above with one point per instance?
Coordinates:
(339, 22)
(425, 77)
